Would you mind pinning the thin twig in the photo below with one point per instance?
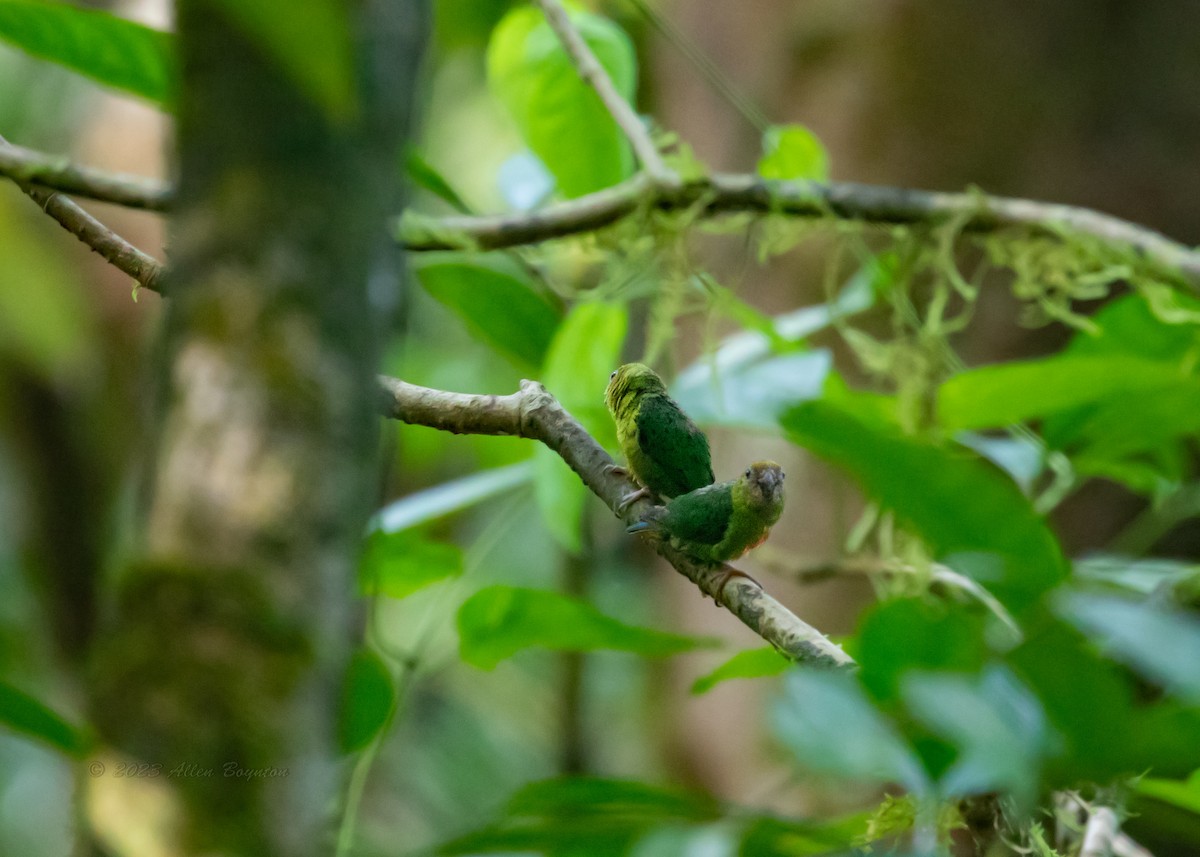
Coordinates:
(58, 173)
(535, 414)
(726, 193)
(597, 78)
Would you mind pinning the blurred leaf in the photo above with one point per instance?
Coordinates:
(755, 395)
(44, 321)
(25, 715)
(832, 728)
(997, 725)
(453, 496)
(1161, 644)
(118, 53)
(768, 836)
(560, 117)
(1008, 393)
(584, 352)
(933, 636)
(496, 299)
(1144, 576)
(1184, 794)
(583, 816)
(1019, 457)
(752, 663)
(524, 181)
(398, 564)
(499, 621)
(422, 174)
(367, 698)
(1129, 326)
(973, 517)
(1132, 423)
(310, 41)
(793, 152)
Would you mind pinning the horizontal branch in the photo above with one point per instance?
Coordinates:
(58, 173)
(728, 193)
(535, 414)
(720, 194)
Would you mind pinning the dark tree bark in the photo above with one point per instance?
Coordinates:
(230, 631)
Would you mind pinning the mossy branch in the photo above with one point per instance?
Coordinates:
(534, 413)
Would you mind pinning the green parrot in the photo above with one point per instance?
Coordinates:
(721, 522)
(667, 454)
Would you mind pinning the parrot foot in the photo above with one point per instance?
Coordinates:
(630, 497)
(615, 470)
(725, 576)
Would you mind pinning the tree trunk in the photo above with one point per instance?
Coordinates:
(221, 667)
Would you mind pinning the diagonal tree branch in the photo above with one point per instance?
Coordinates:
(597, 78)
(535, 414)
(58, 173)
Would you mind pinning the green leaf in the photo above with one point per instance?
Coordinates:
(755, 395)
(935, 637)
(1148, 576)
(367, 699)
(1129, 326)
(1184, 794)
(24, 714)
(310, 41)
(108, 49)
(398, 564)
(422, 174)
(1161, 644)
(451, 497)
(995, 723)
(831, 728)
(499, 621)
(497, 301)
(560, 117)
(584, 352)
(793, 152)
(1015, 392)
(752, 663)
(970, 515)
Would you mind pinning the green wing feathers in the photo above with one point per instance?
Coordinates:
(672, 455)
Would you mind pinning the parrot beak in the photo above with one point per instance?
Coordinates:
(770, 480)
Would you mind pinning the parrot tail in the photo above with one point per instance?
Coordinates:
(650, 522)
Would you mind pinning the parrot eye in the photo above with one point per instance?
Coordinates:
(747, 473)
(613, 375)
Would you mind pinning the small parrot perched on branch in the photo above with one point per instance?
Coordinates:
(666, 453)
(721, 522)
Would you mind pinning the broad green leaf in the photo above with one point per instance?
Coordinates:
(755, 395)
(310, 41)
(770, 835)
(1143, 576)
(995, 723)
(23, 714)
(831, 727)
(398, 564)
(118, 53)
(1008, 393)
(583, 816)
(793, 152)
(560, 117)
(499, 621)
(45, 323)
(1137, 422)
(497, 300)
(1129, 326)
(935, 637)
(1184, 794)
(451, 497)
(752, 663)
(367, 699)
(970, 515)
(1161, 644)
(585, 350)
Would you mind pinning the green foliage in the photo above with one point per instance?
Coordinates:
(1184, 794)
(793, 152)
(956, 510)
(499, 621)
(367, 700)
(752, 663)
(22, 713)
(584, 351)
(398, 564)
(118, 53)
(560, 117)
(497, 300)
(310, 41)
